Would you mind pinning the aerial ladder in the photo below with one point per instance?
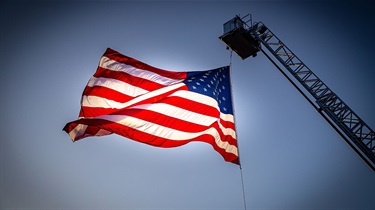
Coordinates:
(246, 39)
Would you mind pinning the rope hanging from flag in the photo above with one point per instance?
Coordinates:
(157, 107)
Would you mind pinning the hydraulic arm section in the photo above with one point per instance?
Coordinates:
(246, 41)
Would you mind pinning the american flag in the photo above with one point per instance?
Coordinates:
(157, 107)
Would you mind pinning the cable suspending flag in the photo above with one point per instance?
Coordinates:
(157, 107)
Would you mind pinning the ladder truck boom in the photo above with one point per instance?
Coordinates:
(247, 40)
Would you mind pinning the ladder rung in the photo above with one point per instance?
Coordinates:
(347, 120)
(310, 80)
(303, 72)
(295, 64)
(363, 135)
(278, 44)
(285, 54)
(264, 36)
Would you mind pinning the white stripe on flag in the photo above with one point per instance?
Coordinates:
(185, 115)
(165, 132)
(204, 100)
(177, 112)
(117, 85)
(113, 65)
(227, 117)
(95, 101)
(102, 132)
(79, 130)
(227, 131)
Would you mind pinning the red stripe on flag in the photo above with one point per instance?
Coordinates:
(190, 105)
(130, 79)
(106, 93)
(95, 111)
(163, 120)
(227, 124)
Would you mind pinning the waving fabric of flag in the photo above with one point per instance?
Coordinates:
(157, 107)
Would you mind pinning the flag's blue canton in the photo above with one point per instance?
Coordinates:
(214, 83)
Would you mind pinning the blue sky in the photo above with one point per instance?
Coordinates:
(291, 158)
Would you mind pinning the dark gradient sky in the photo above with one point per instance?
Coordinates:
(292, 159)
